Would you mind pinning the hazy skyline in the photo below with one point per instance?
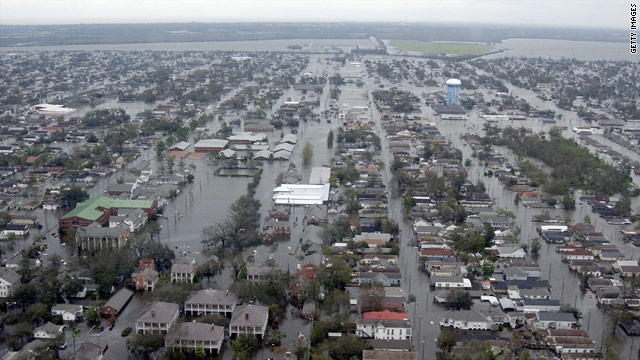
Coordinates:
(573, 13)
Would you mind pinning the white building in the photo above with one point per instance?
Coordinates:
(466, 320)
(383, 329)
(157, 318)
(301, 194)
(554, 320)
(9, 282)
(249, 320)
(48, 331)
(69, 312)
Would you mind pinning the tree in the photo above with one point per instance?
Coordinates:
(243, 346)
(610, 351)
(74, 195)
(617, 316)
(161, 147)
(347, 347)
(274, 337)
(307, 153)
(215, 319)
(446, 340)
(330, 139)
(535, 246)
(145, 344)
(25, 295)
(568, 202)
(473, 350)
(93, 316)
(300, 347)
(459, 300)
(21, 331)
(170, 164)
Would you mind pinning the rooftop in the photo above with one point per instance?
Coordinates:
(89, 209)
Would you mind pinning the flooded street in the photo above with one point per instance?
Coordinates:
(206, 201)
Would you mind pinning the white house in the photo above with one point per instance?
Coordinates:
(48, 331)
(249, 320)
(578, 254)
(466, 320)
(69, 312)
(50, 206)
(450, 282)
(554, 320)
(9, 282)
(512, 252)
(15, 229)
(384, 329)
(157, 318)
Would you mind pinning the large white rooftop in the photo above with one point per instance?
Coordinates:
(301, 194)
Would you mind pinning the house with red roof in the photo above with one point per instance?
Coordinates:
(386, 315)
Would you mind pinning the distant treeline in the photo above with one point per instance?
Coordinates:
(82, 34)
(573, 166)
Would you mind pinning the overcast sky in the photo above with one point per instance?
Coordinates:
(574, 13)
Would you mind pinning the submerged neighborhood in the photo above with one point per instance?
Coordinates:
(347, 201)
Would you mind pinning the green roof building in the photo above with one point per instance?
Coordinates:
(100, 209)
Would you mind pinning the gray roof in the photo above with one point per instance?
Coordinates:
(555, 316)
(195, 331)
(258, 315)
(212, 297)
(158, 312)
(148, 273)
(88, 351)
(181, 268)
(9, 275)
(71, 308)
(95, 230)
(118, 300)
(49, 328)
(465, 315)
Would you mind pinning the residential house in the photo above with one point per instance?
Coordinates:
(18, 230)
(191, 336)
(146, 277)
(249, 320)
(384, 325)
(48, 331)
(529, 306)
(89, 350)
(157, 318)
(9, 282)
(116, 303)
(554, 320)
(386, 279)
(507, 251)
(257, 273)
(183, 269)
(210, 301)
(450, 282)
(574, 341)
(578, 254)
(69, 312)
(466, 320)
(436, 253)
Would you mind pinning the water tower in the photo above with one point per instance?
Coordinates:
(453, 91)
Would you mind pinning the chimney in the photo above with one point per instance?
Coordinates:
(251, 302)
(153, 313)
(227, 293)
(213, 326)
(246, 316)
(288, 354)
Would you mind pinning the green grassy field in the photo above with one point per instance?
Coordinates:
(440, 48)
